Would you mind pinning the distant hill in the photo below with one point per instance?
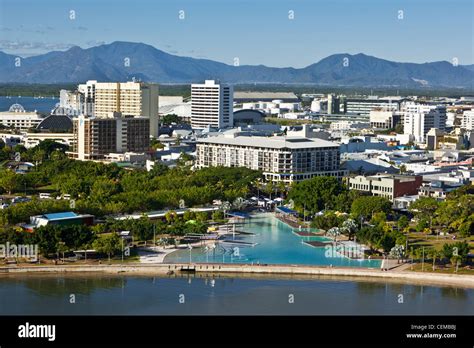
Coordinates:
(107, 63)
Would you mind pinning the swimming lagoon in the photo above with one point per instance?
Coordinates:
(275, 243)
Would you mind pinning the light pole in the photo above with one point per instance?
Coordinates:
(190, 247)
(154, 235)
(206, 249)
(423, 259)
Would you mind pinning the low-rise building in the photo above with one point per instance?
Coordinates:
(16, 117)
(386, 185)
(437, 189)
(384, 119)
(65, 218)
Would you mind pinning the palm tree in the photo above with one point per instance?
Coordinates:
(435, 254)
(282, 188)
(239, 203)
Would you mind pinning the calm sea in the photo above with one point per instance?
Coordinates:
(200, 294)
(44, 105)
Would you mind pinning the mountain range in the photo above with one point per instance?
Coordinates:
(108, 62)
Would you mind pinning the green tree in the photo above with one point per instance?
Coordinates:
(315, 194)
(49, 237)
(366, 206)
(9, 181)
(108, 244)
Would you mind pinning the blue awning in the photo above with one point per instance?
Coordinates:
(286, 210)
(239, 215)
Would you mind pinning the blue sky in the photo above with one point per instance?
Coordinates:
(255, 31)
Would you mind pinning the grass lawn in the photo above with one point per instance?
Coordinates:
(447, 269)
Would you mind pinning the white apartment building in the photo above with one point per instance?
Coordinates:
(71, 103)
(131, 98)
(280, 158)
(468, 120)
(20, 119)
(211, 105)
(418, 119)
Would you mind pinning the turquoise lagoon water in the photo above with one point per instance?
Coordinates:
(276, 244)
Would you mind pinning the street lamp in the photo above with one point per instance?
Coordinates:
(190, 247)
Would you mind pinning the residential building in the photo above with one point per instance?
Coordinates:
(211, 105)
(468, 120)
(437, 189)
(418, 119)
(280, 158)
(96, 137)
(131, 98)
(387, 185)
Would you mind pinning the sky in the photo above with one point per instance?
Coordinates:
(276, 33)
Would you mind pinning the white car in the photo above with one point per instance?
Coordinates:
(45, 195)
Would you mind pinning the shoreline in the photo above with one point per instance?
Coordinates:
(356, 274)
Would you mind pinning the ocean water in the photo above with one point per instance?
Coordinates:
(230, 295)
(44, 105)
(276, 244)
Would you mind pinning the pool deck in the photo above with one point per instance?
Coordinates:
(396, 272)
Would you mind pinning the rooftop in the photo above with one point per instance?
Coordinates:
(275, 142)
(57, 216)
(265, 95)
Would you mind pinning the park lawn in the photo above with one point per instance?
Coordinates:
(418, 239)
(448, 269)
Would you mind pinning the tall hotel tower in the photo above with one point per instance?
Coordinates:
(211, 105)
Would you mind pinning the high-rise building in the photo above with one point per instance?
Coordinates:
(132, 98)
(418, 119)
(211, 105)
(96, 137)
(468, 120)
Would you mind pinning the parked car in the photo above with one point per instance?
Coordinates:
(45, 195)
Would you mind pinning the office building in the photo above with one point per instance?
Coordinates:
(418, 119)
(94, 137)
(384, 119)
(363, 106)
(211, 105)
(387, 185)
(280, 158)
(131, 98)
